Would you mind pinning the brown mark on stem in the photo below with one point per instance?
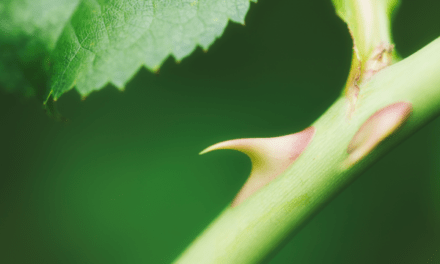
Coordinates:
(352, 86)
(380, 58)
(269, 156)
(378, 127)
(362, 71)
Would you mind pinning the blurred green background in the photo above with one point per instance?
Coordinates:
(122, 181)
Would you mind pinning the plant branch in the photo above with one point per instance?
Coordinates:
(391, 105)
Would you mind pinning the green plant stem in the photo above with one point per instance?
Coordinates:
(262, 224)
(369, 23)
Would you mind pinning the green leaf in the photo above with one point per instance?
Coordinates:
(29, 30)
(94, 42)
(108, 41)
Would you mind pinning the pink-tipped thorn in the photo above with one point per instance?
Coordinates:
(269, 157)
(378, 127)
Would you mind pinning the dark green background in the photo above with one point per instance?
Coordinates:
(122, 181)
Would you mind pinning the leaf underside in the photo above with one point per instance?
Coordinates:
(88, 43)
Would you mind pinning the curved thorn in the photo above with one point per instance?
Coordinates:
(269, 157)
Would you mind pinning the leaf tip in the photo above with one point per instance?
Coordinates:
(156, 69)
(48, 97)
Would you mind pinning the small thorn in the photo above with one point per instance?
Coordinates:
(178, 61)
(205, 50)
(377, 128)
(244, 24)
(83, 98)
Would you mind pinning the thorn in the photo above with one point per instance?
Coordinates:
(83, 98)
(269, 157)
(178, 61)
(377, 128)
(244, 24)
(205, 50)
